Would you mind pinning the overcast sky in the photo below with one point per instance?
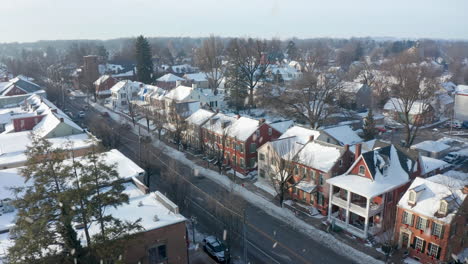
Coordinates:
(31, 20)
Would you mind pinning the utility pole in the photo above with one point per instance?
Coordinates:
(139, 144)
(194, 222)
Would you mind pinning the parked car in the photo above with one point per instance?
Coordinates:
(105, 114)
(465, 124)
(214, 247)
(451, 157)
(81, 114)
(69, 113)
(454, 124)
(85, 108)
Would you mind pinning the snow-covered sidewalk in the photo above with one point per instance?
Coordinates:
(262, 203)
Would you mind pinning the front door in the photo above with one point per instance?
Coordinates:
(404, 240)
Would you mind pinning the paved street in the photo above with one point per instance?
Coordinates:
(268, 239)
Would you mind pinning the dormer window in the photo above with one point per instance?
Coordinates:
(443, 207)
(414, 194)
(362, 170)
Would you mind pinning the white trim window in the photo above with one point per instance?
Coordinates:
(407, 218)
(421, 223)
(436, 229)
(433, 250)
(362, 170)
(419, 244)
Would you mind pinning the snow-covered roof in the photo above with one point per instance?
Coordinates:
(445, 99)
(396, 104)
(199, 117)
(351, 87)
(219, 123)
(430, 164)
(50, 122)
(388, 167)
(318, 155)
(101, 79)
(282, 126)
(343, 134)
(435, 189)
(180, 93)
(169, 77)
(430, 146)
(22, 82)
(197, 77)
(243, 128)
(302, 135)
(123, 74)
(14, 145)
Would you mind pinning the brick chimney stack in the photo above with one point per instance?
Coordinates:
(346, 147)
(357, 151)
(311, 138)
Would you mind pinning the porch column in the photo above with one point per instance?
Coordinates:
(330, 197)
(366, 224)
(348, 201)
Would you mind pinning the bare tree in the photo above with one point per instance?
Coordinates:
(177, 123)
(413, 93)
(247, 66)
(209, 60)
(309, 99)
(284, 159)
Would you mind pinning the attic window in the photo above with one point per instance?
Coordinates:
(443, 207)
(412, 197)
(361, 170)
(414, 194)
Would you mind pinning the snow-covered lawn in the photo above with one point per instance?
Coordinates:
(266, 187)
(282, 214)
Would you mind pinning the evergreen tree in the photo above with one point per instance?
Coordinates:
(44, 224)
(144, 63)
(103, 188)
(292, 51)
(103, 53)
(369, 126)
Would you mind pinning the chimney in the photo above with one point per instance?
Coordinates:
(465, 189)
(357, 151)
(238, 116)
(54, 110)
(194, 86)
(61, 120)
(311, 138)
(346, 147)
(261, 121)
(178, 83)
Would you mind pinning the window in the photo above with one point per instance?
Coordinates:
(443, 207)
(321, 179)
(412, 197)
(361, 170)
(340, 163)
(257, 133)
(253, 147)
(320, 199)
(262, 157)
(261, 173)
(304, 196)
(242, 163)
(433, 250)
(296, 170)
(312, 175)
(407, 218)
(390, 197)
(157, 254)
(437, 229)
(270, 131)
(253, 162)
(419, 244)
(241, 148)
(304, 172)
(421, 223)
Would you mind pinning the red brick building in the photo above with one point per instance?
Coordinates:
(363, 200)
(103, 85)
(431, 218)
(19, 85)
(237, 140)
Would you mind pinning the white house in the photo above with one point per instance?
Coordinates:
(123, 92)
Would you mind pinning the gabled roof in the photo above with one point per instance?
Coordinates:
(378, 159)
(282, 126)
(436, 188)
(302, 135)
(431, 146)
(343, 134)
(243, 128)
(180, 93)
(215, 124)
(197, 77)
(22, 83)
(102, 79)
(429, 164)
(169, 77)
(199, 117)
(389, 169)
(320, 155)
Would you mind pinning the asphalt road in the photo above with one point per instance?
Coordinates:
(268, 240)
